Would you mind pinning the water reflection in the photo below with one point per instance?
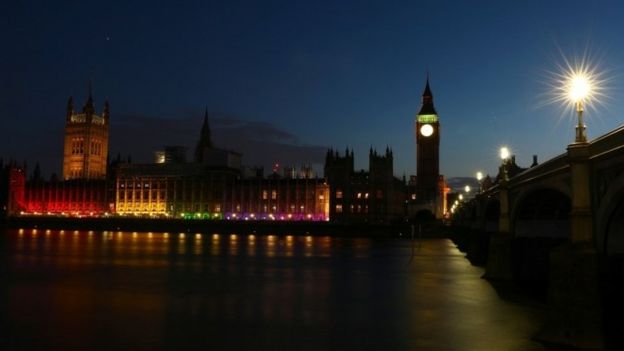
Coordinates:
(251, 245)
(123, 247)
(151, 290)
(233, 245)
(197, 247)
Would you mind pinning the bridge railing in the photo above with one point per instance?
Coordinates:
(556, 165)
(609, 143)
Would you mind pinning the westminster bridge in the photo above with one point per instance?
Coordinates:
(559, 224)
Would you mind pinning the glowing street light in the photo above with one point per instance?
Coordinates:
(461, 197)
(504, 153)
(579, 84)
(579, 88)
(467, 188)
(479, 179)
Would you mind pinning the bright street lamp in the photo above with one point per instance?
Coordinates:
(504, 153)
(467, 188)
(479, 176)
(579, 88)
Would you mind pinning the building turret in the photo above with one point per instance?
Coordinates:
(106, 111)
(85, 151)
(70, 108)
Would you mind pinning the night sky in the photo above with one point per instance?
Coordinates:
(285, 80)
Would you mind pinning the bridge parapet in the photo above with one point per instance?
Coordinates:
(607, 145)
(555, 166)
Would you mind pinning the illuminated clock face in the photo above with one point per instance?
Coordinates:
(426, 130)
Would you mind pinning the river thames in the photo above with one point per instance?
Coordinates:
(70, 290)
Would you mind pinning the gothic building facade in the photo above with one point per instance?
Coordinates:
(214, 187)
(375, 196)
(83, 188)
(213, 184)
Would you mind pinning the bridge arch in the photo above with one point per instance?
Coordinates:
(491, 214)
(610, 219)
(542, 212)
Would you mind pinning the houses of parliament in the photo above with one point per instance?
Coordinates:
(212, 184)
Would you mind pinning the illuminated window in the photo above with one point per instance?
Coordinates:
(265, 195)
(359, 195)
(321, 197)
(338, 194)
(339, 208)
(273, 194)
(366, 196)
(217, 207)
(413, 196)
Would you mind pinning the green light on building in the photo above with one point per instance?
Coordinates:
(427, 118)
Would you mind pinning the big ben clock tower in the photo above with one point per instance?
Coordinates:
(427, 154)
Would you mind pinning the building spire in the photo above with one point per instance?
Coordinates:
(89, 107)
(205, 141)
(205, 132)
(427, 100)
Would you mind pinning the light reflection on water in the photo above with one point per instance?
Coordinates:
(129, 247)
(135, 290)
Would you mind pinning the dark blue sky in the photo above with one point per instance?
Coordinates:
(298, 77)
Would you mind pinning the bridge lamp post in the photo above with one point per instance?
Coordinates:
(504, 155)
(579, 89)
(479, 179)
(479, 176)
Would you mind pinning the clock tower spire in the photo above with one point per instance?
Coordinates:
(428, 194)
